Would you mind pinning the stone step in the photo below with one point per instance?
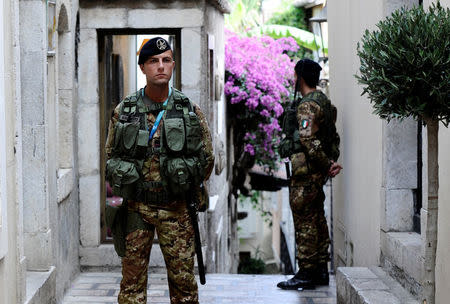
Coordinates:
(362, 285)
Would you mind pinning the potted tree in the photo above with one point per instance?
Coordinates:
(405, 71)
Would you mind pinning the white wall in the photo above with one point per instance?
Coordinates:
(443, 249)
(357, 188)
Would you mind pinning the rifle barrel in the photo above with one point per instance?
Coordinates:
(197, 241)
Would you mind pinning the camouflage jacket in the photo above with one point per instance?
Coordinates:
(151, 167)
(312, 162)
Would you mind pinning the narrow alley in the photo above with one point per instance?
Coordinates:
(103, 287)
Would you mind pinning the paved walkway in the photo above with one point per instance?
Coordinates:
(103, 287)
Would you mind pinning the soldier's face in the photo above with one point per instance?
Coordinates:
(158, 69)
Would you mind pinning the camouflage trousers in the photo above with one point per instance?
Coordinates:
(311, 231)
(176, 239)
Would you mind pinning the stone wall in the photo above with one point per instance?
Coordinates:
(48, 97)
(12, 262)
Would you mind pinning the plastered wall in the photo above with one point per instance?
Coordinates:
(357, 188)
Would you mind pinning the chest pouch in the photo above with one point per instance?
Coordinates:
(174, 134)
(129, 140)
(123, 176)
(193, 133)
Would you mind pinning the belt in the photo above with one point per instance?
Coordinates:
(150, 196)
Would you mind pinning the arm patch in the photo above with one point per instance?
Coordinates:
(305, 126)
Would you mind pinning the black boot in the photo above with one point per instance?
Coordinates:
(321, 276)
(303, 279)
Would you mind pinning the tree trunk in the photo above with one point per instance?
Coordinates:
(429, 286)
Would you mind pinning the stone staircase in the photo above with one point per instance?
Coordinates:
(363, 285)
(397, 281)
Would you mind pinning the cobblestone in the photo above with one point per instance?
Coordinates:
(103, 288)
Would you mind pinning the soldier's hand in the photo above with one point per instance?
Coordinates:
(334, 170)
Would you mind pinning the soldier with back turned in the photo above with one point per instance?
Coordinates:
(312, 145)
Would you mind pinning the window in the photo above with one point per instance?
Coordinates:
(51, 27)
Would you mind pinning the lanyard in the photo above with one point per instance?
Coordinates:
(160, 115)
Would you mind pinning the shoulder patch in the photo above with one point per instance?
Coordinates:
(305, 123)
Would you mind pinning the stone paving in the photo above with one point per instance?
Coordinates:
(103, 287)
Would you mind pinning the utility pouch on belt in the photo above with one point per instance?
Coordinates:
(121, 221)
(116, 219)
(123, 177)
(178, 173)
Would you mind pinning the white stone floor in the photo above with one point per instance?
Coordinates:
(103, 287)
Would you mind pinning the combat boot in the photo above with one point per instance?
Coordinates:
(303, 279)
(321, 276)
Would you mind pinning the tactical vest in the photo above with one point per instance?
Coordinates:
(327, 133)
(182, 160)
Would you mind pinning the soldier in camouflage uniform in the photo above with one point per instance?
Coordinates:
(168, 217)
(312, 164)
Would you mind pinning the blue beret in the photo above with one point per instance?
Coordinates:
(153, 47)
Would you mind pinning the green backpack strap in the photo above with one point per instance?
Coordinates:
(133, 104)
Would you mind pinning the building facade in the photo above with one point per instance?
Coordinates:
(379, 220)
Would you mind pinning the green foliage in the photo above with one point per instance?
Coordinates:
(303, 38)
(292, 16)
(254, 199)
(252, 266)
(405, 64)
(244, 15)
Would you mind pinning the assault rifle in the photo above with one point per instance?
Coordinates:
(192, 209)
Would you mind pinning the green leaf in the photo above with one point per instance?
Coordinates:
(303, 38)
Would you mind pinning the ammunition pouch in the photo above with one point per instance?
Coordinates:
(153, 193)
(130, 140)
(179, 174)
(123, 176)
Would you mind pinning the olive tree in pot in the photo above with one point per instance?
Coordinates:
(405, 71)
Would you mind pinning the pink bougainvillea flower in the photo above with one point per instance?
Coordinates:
(259, 75)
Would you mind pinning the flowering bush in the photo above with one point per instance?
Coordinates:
(258, 74)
